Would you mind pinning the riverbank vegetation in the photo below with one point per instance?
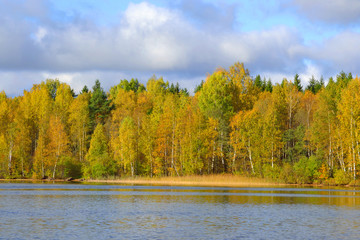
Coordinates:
(234, 124)
(212, 180)
(224, 180)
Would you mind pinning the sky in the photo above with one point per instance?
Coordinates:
(79, 41)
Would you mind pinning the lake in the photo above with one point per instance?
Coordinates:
(89, 211)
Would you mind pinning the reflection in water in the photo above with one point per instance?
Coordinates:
(78, 211)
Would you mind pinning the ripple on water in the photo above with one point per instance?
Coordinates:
(78, 211)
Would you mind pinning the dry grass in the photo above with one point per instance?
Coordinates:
(225, 180)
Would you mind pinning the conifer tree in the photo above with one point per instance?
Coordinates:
(99, 105)
(297, 83)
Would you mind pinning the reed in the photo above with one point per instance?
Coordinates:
(196, 180)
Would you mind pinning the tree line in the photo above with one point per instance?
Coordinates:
(234, 123)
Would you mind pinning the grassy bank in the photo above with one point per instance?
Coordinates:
(220, 180)
(226, 180)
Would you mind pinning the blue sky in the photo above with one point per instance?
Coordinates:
(79, 41)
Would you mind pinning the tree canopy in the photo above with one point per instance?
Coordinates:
(234, 124)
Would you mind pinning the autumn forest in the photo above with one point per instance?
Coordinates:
(234, 124)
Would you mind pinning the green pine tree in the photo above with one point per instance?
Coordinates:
(297, 83)
(99, 105)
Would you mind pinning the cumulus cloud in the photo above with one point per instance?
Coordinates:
(177, 43)
(340, 52)
(15, 82)
(334, 11)
(312, 70)
(209, 14)
(148, 38)
(274, 49)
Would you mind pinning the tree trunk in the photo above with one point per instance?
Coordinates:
(172, 150)
(55, 167)
(42, 167)
(233, 163)
(352, 146)
(10, 158)
(221, 150)
(330, 143)
(131, 166)
(213, 158)
(151, 164)
(250, 157)
(272, 155)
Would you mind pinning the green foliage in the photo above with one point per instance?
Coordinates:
(174, 88)
(269, 86)
(199, 87)
(133, 85)
(315, 85)
(99, 163)
(99, 105)
(68, 167)
(272, 173)
(295, 144)
(52, 86)
(260, 84)
(306, 169)
(215, 99)
(297, 83)
(342, 80)
(84, 90)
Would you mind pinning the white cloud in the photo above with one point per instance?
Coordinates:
(40, 34)
(149, 39)
(276, 77)
(311, 70)
(14, 83)
(332, 11)
(337, 53)
(264, 51)
(145, 18)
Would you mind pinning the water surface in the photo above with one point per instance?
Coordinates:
(89, 211)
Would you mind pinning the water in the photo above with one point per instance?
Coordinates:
(81, 211)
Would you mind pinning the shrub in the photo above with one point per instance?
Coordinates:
(341, 177)
(306, 169)
(287, 174)
(71, 168)
(271, 173)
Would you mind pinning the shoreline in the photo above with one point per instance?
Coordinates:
(208, 180)
(201, 181)
(221, 180)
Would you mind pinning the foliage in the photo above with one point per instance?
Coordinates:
(234, 124)
(199, 87)
(341, 177)
(315, 85)
(99, 105)
(297, 83)
(306, 169)
(287, 174)
(98, 162)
